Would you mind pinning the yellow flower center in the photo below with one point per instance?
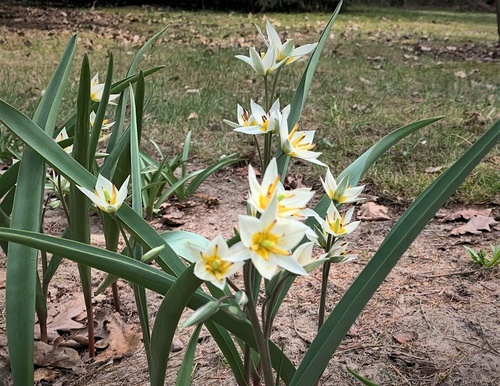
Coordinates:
(109, 198)
(337, 224)
(297, 143)
(265, 124)
(264, 243)
(266, 198)
(215, 265)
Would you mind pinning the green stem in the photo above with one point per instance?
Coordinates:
(247, 363)
(266, 87)
(267, 150)
(269, 306)
(275, 82)
(258, 151)
(61, 198)
(322, 300)
(261, 341)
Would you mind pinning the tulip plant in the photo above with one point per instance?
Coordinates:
(280, 237)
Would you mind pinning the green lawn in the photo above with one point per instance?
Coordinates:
(381, 69)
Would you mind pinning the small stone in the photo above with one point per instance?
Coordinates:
(177, 345)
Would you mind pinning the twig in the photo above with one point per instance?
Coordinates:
(494, 352)
(305, 340)
(485, 339)
(458, 273)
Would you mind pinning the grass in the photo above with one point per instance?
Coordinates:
(384, 68)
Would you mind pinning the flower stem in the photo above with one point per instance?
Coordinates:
(322, 300)
(261, 341)
(275, 82)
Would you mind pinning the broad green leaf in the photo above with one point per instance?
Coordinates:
(22, 260)
(179, 240)
(186, 369)
(139, 291)
(138, 57)
(361, 165)
(408, 227)
(167, 320)
(79, 203)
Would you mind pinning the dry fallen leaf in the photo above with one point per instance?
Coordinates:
(370, 211)
(434, 169)
(192, 115)
(405, 337)
(122, 340)
(47, 355)
(476, 225)
(172, 216)
(460, 74)
(45, 375)
(467, 214)
(61, 317)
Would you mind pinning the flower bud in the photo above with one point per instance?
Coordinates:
(202, 313)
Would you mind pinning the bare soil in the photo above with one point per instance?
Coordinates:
(433, 322)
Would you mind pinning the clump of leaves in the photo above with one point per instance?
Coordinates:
(482, 257)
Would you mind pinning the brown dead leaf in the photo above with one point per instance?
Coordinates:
(172, 216)
(122, 341)
(294, 181)
(61, 318)
(434, 169)
(460, 74)
(43, 374)
(370, 211)
(47, 355)
(192, 115)
(476, 225)
(467, 214)
(405, 337)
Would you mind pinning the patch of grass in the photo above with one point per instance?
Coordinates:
(384, 68)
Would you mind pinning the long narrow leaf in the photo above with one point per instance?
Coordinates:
(186, 369)
(139, 291)
(167, 320)
(395, 244)
(361, 165)
(21, 260)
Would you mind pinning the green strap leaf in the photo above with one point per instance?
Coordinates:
(186, 369)
(361, 165)
(167, 320)
(22, 260)
(408, 227)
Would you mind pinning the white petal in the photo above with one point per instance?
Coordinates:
(248, 226)
(274, 38)
(267, 269)
(122, 193)
(291, 265)
(238, 252)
